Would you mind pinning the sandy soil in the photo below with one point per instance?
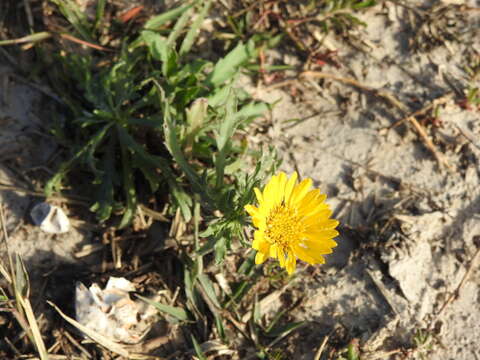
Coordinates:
(410, 227)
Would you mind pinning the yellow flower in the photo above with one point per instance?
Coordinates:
(293, 222)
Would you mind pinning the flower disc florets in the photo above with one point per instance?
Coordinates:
(293, 222)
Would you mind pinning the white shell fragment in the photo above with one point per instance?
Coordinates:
(111, 312)
(50, 218)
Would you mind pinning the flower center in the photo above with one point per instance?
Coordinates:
(283, 226)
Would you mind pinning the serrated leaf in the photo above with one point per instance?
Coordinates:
(183, 201)
(220, 248)
(227, 67)
(194, 29)
(161, 51)
(158, 21)
(364, 4)
(179, 27)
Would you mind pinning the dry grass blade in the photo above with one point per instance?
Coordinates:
(19, 282)
(28, 39)
(100, 339)
(32, 322)
(321, 348)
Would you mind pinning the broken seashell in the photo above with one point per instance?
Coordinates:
(112, 313)
(50, 218)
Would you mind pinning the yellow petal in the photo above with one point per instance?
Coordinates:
(310, 200)
(281, 256)
(259, 223)
(260, 258)
(271, 193)
(273, 251)
(317, 247)
(321, 234)
(300, 191)
(316, 209)
(289, 187)
(291, 263)
(259, 243)
(252, 210)
(329, 224)
(305, 256)
(280, 192)
(315, 218)
(259, 196)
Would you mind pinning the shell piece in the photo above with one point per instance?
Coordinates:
(50, 218)
(111, 312)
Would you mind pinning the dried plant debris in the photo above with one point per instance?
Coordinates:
(112, 313)
(439, 25)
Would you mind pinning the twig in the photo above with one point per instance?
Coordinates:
(83, 42)
(438, 101)
(468, 135)
(77, 344)
(321, 348)
(384, 293)
(456, 293)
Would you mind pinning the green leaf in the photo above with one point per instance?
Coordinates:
(100, 12)
(171, 142)
(248, 265)
(76, 17)
(240, 292)
(284, 329)
(158, 21)
(364, 4)
(208, 287)
(352, 353)
(198, 349)
(161, 51)
(128, 185)
(194, 29)
(196, 117)
(252, 110)
(183, 201)
(220, 249)
(220, 328)
(176, 312)
(179, 27)
(105, 194)
(22, 283)
(227, 67)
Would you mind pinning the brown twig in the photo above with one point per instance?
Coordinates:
(321, 348)
(456, 293)
(83, 42)
(438, 101)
